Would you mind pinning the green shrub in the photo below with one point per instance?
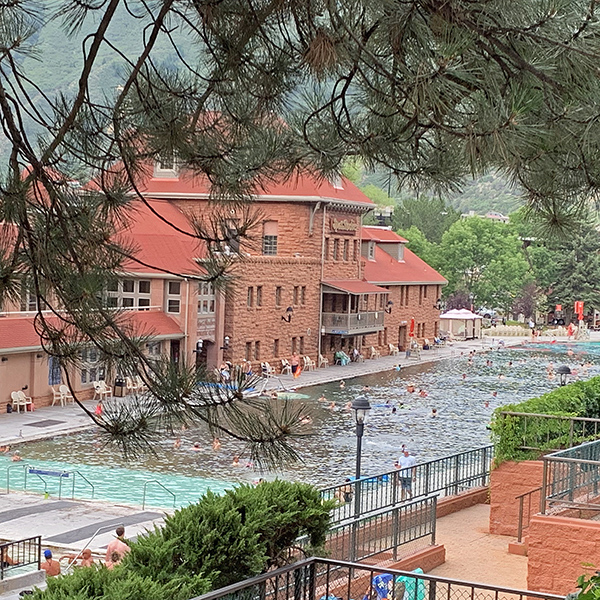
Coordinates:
(517, 439)
(217, 541)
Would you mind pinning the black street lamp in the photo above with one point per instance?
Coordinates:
(360, 406)
(563, 374)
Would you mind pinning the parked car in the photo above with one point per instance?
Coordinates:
(487, 313)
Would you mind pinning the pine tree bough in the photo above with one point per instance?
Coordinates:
(253, 90)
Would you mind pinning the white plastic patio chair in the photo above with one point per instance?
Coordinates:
(57, 397)
(323, 362)
(101, 390)
(393, 350)
(375, 353)
(286, 368)
(16, 401)
(24, 400)
(66, 394)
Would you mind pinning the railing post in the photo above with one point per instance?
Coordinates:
(544, 487)
(396, 526)
(433, 520)
(484, 469)
(571, 466)
(520, 526)
(456, 473)
(426, 490)
(395, 482)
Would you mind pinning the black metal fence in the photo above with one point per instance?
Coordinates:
(20, 556)
(571, 479)
(445, 476)
(393, 532)
(326, 579)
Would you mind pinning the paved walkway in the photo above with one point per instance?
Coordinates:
(474, 554)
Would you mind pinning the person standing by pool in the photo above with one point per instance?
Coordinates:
(118, 547)
(294, 362)
(406, 463)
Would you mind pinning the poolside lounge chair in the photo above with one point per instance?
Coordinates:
(66, 394)
(286, 368)
(309, 364)
(267, 369)
(101, 390)
(323, 362)
(393, 350)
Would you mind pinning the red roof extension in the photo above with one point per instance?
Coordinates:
(384, 270)
(19, 333)
(379, 234)
(354, 286)
(304, 186)
(159, 245)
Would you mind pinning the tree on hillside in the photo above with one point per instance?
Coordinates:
(483, 258)
(255, 90)
(431, 215)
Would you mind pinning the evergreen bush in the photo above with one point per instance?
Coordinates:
(218, 541)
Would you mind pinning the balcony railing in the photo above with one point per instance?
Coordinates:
(322, 578)
(20, 557)
(344, 323)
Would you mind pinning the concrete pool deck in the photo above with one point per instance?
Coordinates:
(52, 421)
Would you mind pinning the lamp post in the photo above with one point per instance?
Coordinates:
(360, 406)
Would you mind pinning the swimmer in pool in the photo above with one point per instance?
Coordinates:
(486, 404)
(397, 367)
(494, 394)
(422, 393)
(177, 444)
(236, 461)
(410, 388)
(342, 384)
(332, 406)
(394, 410)
(464, 375)
(216, 444)
(322, 398)
(306, 420)
(434, 413)
(196, 447)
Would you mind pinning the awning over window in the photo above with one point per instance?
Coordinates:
(353, 286)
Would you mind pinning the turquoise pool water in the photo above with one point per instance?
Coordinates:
(462, 393)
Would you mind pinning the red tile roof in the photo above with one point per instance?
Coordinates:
(379, 234)
(355, 286)
(298, 186)
(18, 333)
(384, 270)
(157, 245)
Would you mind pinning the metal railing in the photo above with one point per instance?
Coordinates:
(571, 479)
(73, 561)
(352, 322)
(17, 556)
(324, 579)
(158, 483)
(41, 473)
(386, 531)
(525, 502)
(446, 476)
(552, 432)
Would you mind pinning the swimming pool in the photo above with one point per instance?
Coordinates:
(464, 406)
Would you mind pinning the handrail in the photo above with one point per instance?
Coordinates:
(104, 527)
(162, 486)
(521, 499)
(85, 479)
(25, 467)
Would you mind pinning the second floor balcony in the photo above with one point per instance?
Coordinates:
(352, 323)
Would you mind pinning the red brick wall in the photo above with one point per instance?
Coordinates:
(557, 548)
(507, 482)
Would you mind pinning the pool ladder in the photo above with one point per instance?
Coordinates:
(160, 485)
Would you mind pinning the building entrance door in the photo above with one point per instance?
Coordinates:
(402, 337)
(175, 348)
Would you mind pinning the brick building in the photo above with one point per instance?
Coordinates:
(311, 280)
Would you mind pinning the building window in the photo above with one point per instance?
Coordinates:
(371, 250)
(256, 350)
(278, 296)
(336, 249)
(248, 354)
(326, 249)
(91, 370)
(355, 252)
(420, 295)
(436, 329)
(250, 298)
(406, 295)
(154, 350)
(301, 344)
(276, 348)
(259, 295)
(173, 296)
(54, 375)
(380, 338)
(303, 295)
(295, 296)
(345, 251)
(385, 337)
(206, 298)
(424, 291)
(269, 241)
(129, 293)
(294, 345)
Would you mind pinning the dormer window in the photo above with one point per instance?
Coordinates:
(336, 182)
(166, 166)
(371, 250)
(400, 251)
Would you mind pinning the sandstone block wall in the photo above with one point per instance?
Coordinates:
(507, 482)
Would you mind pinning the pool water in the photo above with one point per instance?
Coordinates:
(461, 392)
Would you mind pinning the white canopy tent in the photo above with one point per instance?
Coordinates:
(461, 323)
